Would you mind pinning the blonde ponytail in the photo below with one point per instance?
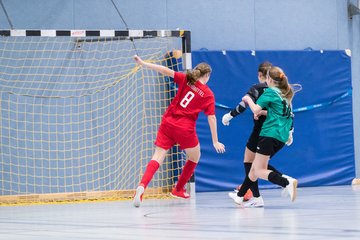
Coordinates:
(200, 70)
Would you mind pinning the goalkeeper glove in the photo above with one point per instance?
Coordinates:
(290, 139)
(226, 119)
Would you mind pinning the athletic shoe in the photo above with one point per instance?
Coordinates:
(291, 188)
(247, 195)
(254, 202)
(179, 194)
(138, 196)
(287, 177)
(284, 192)
(236, 198)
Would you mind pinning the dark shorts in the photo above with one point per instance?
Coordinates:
(269, 146)
(254, 136)
(253, 140)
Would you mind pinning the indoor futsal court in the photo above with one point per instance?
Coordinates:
(319, 213)
(136, 119)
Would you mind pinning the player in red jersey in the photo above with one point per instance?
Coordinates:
(178, 124)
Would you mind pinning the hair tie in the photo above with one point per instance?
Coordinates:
(282, 75)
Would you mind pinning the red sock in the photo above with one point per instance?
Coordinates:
(151, 168)
(186, 174)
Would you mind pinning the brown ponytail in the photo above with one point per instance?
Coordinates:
(278, 75)
(199, 71)
(264, 68)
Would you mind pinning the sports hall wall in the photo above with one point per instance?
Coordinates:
(322, 152)
(272, 25)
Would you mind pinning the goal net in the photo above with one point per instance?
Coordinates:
(78, 117)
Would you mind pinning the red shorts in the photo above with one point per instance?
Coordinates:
(169, 135)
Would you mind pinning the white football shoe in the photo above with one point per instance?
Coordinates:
(236, 198)
(254, 202)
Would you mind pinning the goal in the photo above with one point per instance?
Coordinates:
(78, 117)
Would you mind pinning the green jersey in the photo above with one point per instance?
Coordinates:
(278, 120)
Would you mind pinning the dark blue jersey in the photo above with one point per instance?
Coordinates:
(254, 92)
(257, 90)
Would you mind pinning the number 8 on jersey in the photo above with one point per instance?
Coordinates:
(187, 99)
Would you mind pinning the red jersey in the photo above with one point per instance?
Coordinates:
(189, 101)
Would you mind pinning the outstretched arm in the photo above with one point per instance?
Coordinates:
(159, 68)
(253, 92)
(233, 113)
(219, 147)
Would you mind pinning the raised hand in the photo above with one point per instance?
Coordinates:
(138, 60)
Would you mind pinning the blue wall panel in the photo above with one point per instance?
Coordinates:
(323, 148)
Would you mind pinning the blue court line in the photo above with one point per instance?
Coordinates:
(306, 108)
(300, 109)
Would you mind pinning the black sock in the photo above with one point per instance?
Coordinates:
(255, 186)
(278, 179)
(245, 186)
(270, 167)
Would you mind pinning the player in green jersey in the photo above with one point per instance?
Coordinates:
(274, 133)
